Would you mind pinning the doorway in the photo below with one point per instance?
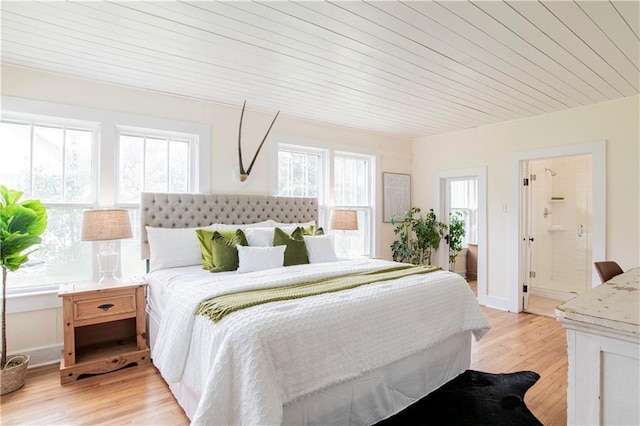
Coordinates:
(475, 178)
(558, 207)
(519, 243)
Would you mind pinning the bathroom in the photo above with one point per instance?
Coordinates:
(560, 221)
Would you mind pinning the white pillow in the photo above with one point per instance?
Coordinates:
(263, 237)
(259, 237)
(282, 225)
(173, 247)
(225, 227)
(252, 259)
(320, 249)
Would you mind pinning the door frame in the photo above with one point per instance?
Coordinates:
(525, 229)
(479, 173)
(517, 264)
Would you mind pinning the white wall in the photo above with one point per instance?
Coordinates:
(617, 122)
(394, 154)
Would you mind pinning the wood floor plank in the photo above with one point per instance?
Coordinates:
(139, 395)
(528, 342)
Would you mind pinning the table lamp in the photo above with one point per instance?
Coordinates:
(344, 220)
(106, 225)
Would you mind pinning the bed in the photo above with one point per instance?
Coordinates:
(350, 357)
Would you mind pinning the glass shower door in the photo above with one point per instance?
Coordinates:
(560, 226)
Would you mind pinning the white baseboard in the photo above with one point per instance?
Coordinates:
(43, 355)
(495, 302)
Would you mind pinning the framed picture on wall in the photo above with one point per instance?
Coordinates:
(396, 195)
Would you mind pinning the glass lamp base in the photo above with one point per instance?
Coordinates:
(108, 266)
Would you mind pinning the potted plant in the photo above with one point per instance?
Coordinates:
(402, 249)
(21, 224)
(419, 237)
(456, 233)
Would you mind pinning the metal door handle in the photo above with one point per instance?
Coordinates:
(106, 306)
(580, 230)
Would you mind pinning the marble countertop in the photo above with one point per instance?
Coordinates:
(614, 304)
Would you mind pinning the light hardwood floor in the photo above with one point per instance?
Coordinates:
(139, 396)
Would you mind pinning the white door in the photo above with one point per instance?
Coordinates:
(593, 230)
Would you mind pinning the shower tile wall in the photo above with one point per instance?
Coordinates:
(565, 259)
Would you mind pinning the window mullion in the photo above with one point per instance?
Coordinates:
(64, 163)
(31, 135)
(168, 164)
(144, 163)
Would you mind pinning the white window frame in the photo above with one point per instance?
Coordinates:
(194, 165)
(29, 118)
(323, 207)
(326, 203)
(49, 121)
(369, 208)
(105, 156)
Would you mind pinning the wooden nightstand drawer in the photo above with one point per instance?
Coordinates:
(104, 308)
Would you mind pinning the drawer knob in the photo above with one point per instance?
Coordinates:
(106, 306)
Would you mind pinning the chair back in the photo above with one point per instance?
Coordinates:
(607, 269)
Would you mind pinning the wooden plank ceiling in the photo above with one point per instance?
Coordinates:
(409, 69)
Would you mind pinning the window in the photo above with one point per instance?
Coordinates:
(464, 199)
(74, 159)
(153, 164)
(53, 163)
(148, 162)
(302, 173)
(299, 173)
(352, 190)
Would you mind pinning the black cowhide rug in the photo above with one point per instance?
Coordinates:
(473, 398)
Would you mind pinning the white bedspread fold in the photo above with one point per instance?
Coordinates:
(252, 362)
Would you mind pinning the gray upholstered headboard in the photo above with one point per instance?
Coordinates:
(192, 210)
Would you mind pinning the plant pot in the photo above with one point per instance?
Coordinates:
(13, 378)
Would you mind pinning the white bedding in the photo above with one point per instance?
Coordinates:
(163, 281)
(246, 367)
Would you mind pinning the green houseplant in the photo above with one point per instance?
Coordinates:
(456, 234)
(419, 237)
(21, 224)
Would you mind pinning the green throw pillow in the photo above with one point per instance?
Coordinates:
(204, 238)
(312, 230)
(296, 251)
(224, 254)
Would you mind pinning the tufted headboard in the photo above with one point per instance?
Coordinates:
(192, 210)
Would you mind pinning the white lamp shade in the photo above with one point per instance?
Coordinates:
(346, 220)
(106, 224)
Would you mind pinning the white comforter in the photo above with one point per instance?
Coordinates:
(252, 362)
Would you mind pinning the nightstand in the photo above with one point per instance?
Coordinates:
(104, 327)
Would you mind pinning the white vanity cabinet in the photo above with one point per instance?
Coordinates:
(603, 337)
